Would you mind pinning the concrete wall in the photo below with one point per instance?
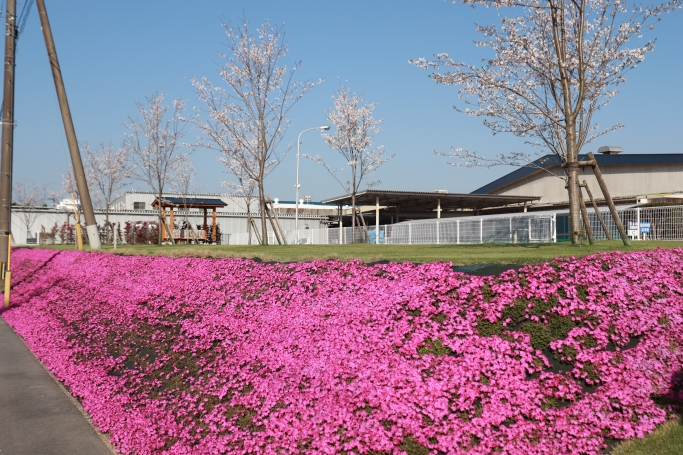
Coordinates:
(229, 223)
(621, 180)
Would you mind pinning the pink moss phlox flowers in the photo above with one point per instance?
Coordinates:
(202, 356)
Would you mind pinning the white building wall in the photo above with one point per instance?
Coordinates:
(621, 180)
(235, 204)
(230, 223)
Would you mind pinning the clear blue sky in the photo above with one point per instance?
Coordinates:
(114, 53)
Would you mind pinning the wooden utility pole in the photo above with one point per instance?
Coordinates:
(79, 173)
(7, 136)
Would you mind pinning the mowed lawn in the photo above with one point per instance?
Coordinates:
(459, 255)
(667, 440)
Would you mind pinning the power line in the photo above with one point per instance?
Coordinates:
(23, 16)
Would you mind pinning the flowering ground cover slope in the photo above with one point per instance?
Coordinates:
(199, 356)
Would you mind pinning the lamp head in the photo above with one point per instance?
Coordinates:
(324, 128)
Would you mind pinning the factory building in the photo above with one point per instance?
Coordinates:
(630, 178)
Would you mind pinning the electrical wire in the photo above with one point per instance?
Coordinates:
(23, 16)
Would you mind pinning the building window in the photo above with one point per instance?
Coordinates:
(138, 205)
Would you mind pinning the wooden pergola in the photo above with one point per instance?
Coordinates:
(187, 235)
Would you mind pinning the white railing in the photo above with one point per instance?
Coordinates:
(188, 234)
(646, 223)
(642, 223)
(500, 229)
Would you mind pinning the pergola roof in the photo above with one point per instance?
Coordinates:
(190, 202)
(429, 200)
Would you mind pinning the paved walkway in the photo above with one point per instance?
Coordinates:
(37, 417)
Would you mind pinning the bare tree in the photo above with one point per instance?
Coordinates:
(554, 67)
(28, 196)
(247, 120)
(355, 128)
(154, 142)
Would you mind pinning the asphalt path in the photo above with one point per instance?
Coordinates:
(37, 416)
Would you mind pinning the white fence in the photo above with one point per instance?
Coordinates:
(501, 229)
(642, 223)
(647, 223)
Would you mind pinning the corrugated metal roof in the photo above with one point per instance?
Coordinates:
(548, 161)
(426, 200)
(192, 201)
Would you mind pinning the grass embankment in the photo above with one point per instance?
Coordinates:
(459, 255)
(666, 440)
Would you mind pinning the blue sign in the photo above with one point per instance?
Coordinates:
(644, 227)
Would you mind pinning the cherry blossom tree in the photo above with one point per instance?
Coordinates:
(154, 143)
(355, 127)
(108, 170)
(70, 188)
(247, 117)
(182, 182)
(28, 195)
(243, 188)
(553, 67)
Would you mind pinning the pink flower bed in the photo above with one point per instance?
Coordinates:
(202, 356)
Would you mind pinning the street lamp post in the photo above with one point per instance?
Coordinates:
(298, 153)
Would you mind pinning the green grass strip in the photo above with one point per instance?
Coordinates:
(459, 255)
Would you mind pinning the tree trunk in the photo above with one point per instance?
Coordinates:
(249, 227)
(353, 201)
(106, 224)
(572, 170)
(262, 205)
(574, 204)
(161, 218)
(353, 217)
